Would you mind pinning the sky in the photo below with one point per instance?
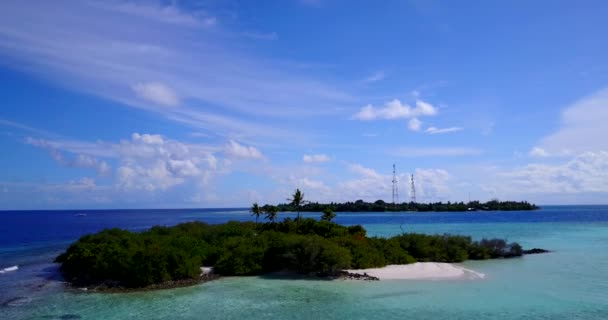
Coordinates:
(179, 104)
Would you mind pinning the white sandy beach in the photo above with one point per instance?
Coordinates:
(9, 269)
(421, 270)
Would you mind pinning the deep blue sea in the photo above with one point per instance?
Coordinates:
(569, 283)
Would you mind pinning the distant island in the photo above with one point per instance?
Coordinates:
(382, 206)
(171, 256)
(165, 257)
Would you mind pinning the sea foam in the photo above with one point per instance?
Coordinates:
(9, 269)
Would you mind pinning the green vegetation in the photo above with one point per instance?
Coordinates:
(119, 258)
(256, 211)
(328, 214)
(297, 200)
(381, 206)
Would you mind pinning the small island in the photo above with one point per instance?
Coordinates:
(382, 206)
(164, 257)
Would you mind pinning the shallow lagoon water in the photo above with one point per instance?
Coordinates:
(569, 283)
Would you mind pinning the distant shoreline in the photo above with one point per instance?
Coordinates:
(232, 209)
(382, 206)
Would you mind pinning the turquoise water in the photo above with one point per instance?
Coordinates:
(569, 283)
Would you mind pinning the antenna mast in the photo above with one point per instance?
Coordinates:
(413, 190)
(395, 186)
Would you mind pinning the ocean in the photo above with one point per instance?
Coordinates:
(571, 282)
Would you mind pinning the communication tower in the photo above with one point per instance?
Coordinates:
(395, 186)
(413, 190)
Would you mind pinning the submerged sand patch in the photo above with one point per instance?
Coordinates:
(421, 270)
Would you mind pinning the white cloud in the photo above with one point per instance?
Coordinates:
(436, 151)
(21, 126)
(149, 176)
(157, 93)
(200, 135)
(395, 110)
(583, 127)
(169, 14)
(79, 160)
(585, 173)
(146, 161)
(375, 77)
(414, 124)
(310, 184)
(150, 162)
(424, 109)
(234, 149)
(86, 161)
(431, 184)
(311, 158)
(538, 152)
(86, 183)
(363, 171)
(147, 138)
(434, 130)
(166, 58)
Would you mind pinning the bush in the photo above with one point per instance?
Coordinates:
(315, 254)
(121, 258)
(240, 256)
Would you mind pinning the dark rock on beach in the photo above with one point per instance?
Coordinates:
(357, 276)
(535, 251)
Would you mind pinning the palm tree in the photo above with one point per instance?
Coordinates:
(256, 211)
(328, 215)
(271, 213)
(297, 200)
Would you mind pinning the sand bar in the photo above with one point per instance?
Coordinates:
(422, 270)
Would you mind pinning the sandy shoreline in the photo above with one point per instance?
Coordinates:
(421, 270)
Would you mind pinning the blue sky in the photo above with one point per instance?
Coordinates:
(122, 104)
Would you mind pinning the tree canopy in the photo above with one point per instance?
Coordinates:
(120, 258)
(381, 206)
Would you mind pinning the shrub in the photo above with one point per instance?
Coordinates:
(122, 258)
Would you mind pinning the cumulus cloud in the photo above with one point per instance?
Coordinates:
(309, 184)
(157, 93)
(79, 160)
(538, 152)
(145, 161)
(395, 110)
(434, 130)
(363, 171)
(431, 185)
(312, 158)
(86, 161)
(236, 150)
(583, 126)
(414, 124)
(151, 162)
(587, 172)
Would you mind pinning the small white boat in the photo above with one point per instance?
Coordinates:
(9, 269)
